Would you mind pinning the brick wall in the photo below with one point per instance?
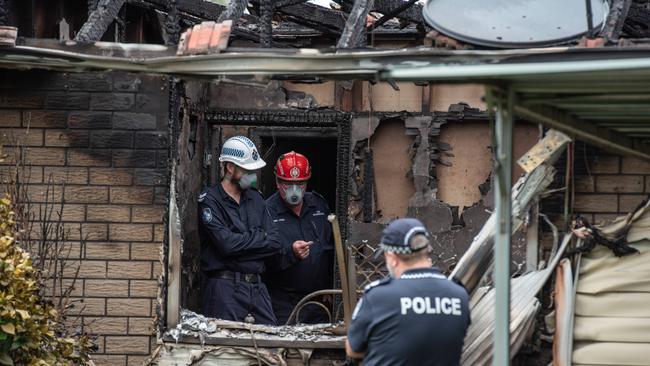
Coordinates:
(608, 186)
(102, 140)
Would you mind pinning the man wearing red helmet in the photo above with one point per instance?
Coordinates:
(299, 215)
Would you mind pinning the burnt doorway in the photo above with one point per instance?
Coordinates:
(322, 135)
(319, 145)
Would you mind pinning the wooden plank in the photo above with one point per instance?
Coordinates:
(325, 20)
(99, 20)
(261, 342)
(615, 19)
(343, 269)
(354, 35)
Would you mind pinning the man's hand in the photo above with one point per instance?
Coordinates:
(350, 353)
(301, 248)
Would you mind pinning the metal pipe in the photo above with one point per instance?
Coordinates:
(494, 72)
(307, 299)
(316, 303)
(590, 21)
(503, 182)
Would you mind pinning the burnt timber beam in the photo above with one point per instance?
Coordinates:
(284, 3)
(354, 34)
(325, 20)
(92, 6)
(392, 14)
(233, 11)
(616, 19)
(411, 13)
(266, 24)
(197, 8)
(99, 20)
(196, 16)
(4, 13)
(321, 18)
(171, 26)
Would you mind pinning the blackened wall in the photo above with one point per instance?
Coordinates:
(101, 140)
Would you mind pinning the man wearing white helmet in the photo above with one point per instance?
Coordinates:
(236, 236)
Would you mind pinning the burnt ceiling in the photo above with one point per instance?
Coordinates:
(266, 23)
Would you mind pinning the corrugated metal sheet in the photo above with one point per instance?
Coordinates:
(523, 308)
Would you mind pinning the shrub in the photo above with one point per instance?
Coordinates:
(31, 330)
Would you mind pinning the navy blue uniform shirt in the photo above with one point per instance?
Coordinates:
(419, 319)
(314, 272)
(235, 237)
(288, 278)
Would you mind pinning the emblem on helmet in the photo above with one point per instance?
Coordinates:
(254, 155)
(295, 172)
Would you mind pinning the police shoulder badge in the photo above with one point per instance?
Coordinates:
(206, 215)
(295, 172)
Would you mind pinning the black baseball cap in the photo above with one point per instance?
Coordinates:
(397, 236)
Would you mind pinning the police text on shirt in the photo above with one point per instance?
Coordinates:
(425, 305)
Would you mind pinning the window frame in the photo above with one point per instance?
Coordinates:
(328, 120)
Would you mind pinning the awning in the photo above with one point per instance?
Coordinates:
(599, 95)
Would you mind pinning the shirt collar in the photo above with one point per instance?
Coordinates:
(416, 273)
(245, 194)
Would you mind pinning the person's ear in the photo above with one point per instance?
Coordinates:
(230, 168)
(390, 258)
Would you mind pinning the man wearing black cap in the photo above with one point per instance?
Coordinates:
(416, 316)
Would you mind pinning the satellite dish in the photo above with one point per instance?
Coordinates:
(514, 23)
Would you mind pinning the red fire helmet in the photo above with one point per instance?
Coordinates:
(292, 167)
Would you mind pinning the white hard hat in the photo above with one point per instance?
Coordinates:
(241, 151)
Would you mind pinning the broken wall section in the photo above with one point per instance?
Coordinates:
(441, 175)
(410, 184)
(191, 135)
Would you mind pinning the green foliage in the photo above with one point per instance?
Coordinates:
(31, 330)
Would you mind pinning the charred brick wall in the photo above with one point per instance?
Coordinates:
(607, 186)
(101, 142)
(602, 185)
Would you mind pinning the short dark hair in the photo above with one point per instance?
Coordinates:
(422, 246)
